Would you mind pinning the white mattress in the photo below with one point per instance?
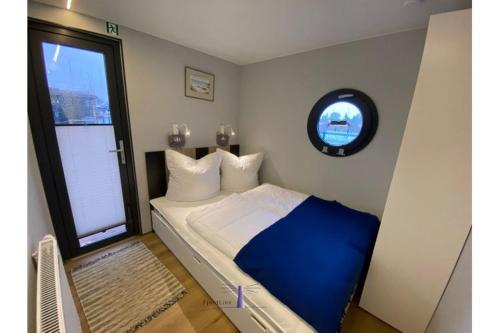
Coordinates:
(176, 212)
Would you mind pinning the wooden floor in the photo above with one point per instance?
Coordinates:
(190, 314)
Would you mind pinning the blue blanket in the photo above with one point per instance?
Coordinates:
(311, 260)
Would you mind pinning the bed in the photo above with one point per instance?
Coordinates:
(211, 257)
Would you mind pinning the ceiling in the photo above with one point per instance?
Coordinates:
(248, 31)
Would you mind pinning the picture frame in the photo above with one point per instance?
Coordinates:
(199, 84)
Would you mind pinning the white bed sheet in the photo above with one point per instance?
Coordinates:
(176, 212)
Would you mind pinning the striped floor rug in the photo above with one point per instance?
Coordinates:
(125, 289)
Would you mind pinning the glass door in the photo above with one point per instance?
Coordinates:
(84, 121)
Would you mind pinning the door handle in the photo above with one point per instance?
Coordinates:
(121, 150)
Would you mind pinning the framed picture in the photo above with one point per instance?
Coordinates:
(199, 84)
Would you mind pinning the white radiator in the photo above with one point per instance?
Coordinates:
(49, 311)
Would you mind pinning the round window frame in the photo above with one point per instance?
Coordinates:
(370, 121)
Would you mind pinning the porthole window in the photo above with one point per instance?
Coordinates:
(342, 122)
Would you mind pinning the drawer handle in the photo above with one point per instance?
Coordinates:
(197, 260)
(258, 322)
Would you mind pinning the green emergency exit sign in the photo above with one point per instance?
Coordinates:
(112, 28)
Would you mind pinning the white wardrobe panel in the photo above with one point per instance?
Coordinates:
(428, 212)
(454, 312)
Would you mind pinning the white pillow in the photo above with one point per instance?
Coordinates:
(190, 179)
(239, 174)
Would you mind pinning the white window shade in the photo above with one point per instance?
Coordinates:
(92, 177)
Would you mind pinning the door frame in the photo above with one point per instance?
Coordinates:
(47, 150)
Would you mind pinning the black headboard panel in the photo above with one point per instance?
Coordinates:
(157, 171)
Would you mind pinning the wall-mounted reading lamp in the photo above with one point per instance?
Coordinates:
(177, 139)
(221, 137)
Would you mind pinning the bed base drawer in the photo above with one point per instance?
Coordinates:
(245, 319)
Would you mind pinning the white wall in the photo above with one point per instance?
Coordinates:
(154, 70)
(277, 96)
(39, 225)
(428, 212)
(454, 313)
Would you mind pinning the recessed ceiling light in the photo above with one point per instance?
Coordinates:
(410, 3)
(68, 4)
